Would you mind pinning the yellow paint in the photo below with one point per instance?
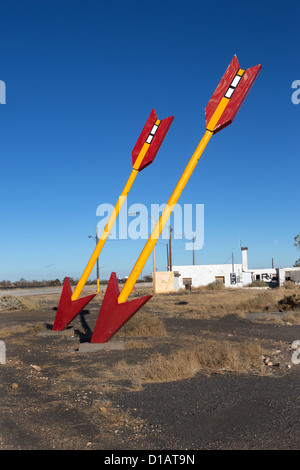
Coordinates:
(102, 239)
(217, 114)
(134, 275)
(143, 151)
(140, 156)
(98, 285)
(220, 108)
(110, 223)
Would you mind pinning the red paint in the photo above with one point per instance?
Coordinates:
(112, 315)
(238, 96)
(67, 308)
(156, 141)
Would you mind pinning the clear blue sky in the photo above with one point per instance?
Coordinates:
(81, 79)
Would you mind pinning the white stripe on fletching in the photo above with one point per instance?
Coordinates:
(235, 81)
(154, 129)
(229, 92)
(150, 137)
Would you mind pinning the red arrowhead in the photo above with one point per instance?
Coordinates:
(112, 315)
(68, 309)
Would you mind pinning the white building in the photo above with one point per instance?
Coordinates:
(231, 275)
(261, 274)
(203, 275)
(288, 274)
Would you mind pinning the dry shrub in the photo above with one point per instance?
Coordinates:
(289, 285)
(290, 302)
(143, 324)
(217, 285)
(209, 357)
(258, 283)
(11, 302)
(209, 304)
(204, 304)
(292, 317)
(264, 301)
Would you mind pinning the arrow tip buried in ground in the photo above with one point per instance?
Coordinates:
(67, 308)
(112, 315)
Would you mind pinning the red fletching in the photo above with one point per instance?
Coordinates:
(156, 141)
(237, 98)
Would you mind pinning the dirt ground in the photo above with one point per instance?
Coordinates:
(192, 376)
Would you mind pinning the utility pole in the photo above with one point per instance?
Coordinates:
(154, 269)
(194, 250)
(98, 276)
(170, 248)
(167, 256)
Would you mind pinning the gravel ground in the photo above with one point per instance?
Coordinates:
(55, 398)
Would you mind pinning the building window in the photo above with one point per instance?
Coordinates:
(220, 279)
(187, 282)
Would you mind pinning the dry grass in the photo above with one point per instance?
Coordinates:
(292, 317)
(11, 302)
(114, 417)
(16, 329)
(217, 303)
(217, 285)
(209, 357)
(143, 324)
(136, 344)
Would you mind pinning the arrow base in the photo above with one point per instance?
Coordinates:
(112, 315)
(67, 308)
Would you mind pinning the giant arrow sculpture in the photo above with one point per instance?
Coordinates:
(143, 154)
(219, 113)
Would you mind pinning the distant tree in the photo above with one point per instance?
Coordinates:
(297, 245)
(72, 280)
(5, 283)
(21, 282)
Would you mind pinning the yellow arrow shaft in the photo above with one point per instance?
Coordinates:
(156, 232)
(102, 239)
(111, 221)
